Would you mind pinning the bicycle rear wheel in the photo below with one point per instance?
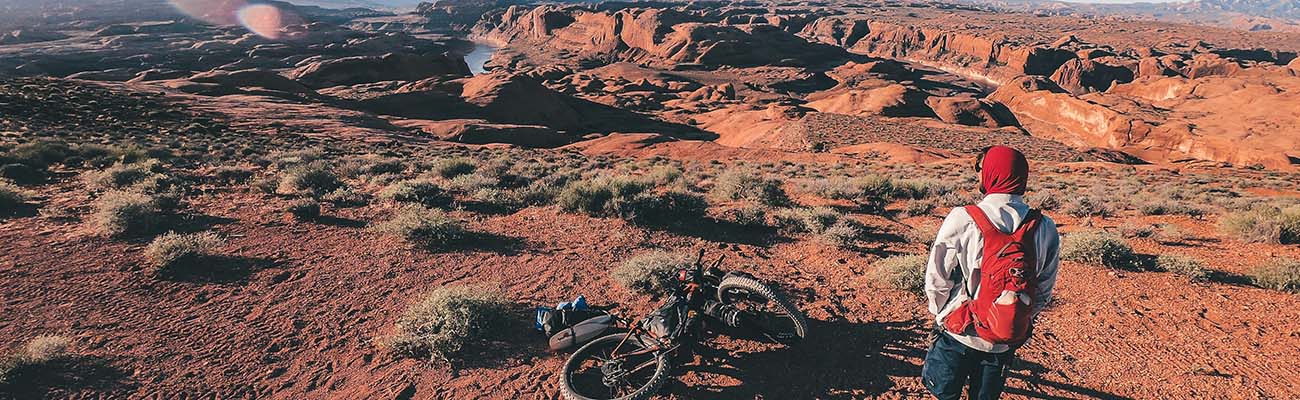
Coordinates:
(595, 372)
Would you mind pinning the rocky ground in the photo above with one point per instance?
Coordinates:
(1172, 139)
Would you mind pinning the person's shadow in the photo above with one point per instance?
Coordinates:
(838, 360)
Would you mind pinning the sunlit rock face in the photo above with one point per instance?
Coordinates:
(264, 20)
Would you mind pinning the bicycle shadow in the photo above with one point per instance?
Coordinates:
(839, 360)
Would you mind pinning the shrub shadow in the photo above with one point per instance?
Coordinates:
(515, 344)
(217, 269)
(839, 360)
(716, 230)
(340, 222)
(485, 241)
(67, 376)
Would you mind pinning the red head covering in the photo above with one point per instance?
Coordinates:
(1003, 170)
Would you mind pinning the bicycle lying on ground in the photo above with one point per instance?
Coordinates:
(634, 365)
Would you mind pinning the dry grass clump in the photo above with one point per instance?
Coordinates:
(741, 184)
(1263, 224)
(1182, 265)
(651, 273)
(905, 272)
(121, 213)
(1043, 200)
(746, 214)
(632, 199)
(871, 192)
(38, 352)
(149, 174)
(347, 197)
(11, 196)
(424, 227)
(1169, 208)
(172, 252)
(443, 322)
(1278, 274)
(1098, 248)
(806, 220)
(417, 191)
(1084, 207)
(842, 234)
(304, 209)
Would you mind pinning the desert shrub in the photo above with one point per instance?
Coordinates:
(1098, 248)
(906, 272)
(39, 154)
(922, 234)
(371, 165)
(806, 220)
(667, 208)
(915, 208)
(1255, 225)
(921, 188)
(149, 175)
(652, 272)
(424, 227)
(959, 199)
(232, 174)
(1044, 200)
(443, 322)
(664, 175)
(871, 192)
(316, 178)
(1277, 274)
(1169, 208)
(171, 251)
(452, 167)
(739, 184)
(120, 213)
(1183, 265)
(1084, 207)
(1137, 230)
(470, 183)
(537, 193)
(416, 191)
(747, 214)
(347, 197)
(34, 354)
(44, 349)
(293, 158)
(1289, 221)
(21, 173)
(304, 209)
(600, 197)
(11, 196)
(842, 234)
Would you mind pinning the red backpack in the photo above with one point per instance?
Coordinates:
(1008, 276)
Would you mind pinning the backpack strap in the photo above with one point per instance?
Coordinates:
(1028, 225)
(982, 221)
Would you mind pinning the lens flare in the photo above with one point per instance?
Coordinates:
(262, 19)
(220, 12)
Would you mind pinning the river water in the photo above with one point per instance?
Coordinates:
(480, 56)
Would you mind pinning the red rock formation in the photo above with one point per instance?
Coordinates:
(966, 110)
(1209, 64)
(367, 69)
(1086, 76)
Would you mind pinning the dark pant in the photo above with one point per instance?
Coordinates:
(950, 365)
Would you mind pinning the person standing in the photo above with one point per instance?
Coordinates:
(1010, 248)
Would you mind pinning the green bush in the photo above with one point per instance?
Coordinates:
(316, 178)
(1098, 248)
(739, 184)
(600, 197)
(906, 272)
(304, 209)
(871, 192)
(1278, 274)
(347, 197)
(1183, 265)
(1169, 208)
(453, 167)
(651, 273)
(668, 208)
(424, 227)
(120, 213)
(171, 252)
(416, 191)
(917, 189)
(442, 323)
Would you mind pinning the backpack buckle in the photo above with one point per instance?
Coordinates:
(1018, 273)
